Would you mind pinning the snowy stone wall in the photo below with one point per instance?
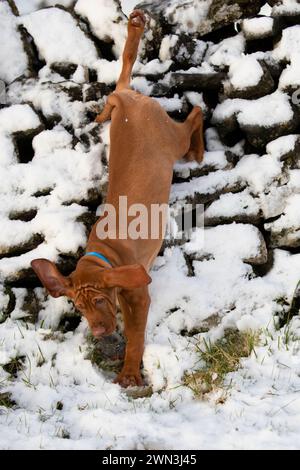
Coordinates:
(60, 62)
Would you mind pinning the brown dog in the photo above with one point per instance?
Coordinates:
(145, 143)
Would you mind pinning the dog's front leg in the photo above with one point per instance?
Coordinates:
(135, 305)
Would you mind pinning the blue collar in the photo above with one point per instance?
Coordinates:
(98, 255)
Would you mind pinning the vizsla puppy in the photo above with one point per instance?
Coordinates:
(145, 144)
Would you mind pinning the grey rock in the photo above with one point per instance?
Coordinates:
(17, 250)
(289, 13)
(65, 69)
(287, 238)
(292, 157)
(241, 218)
(188, 51)
(24, 216)
(196, 81)
(262, 255)
(161, 89)
(199, 197)
(95, 91)
(168, 14)
(259, 136)
(261, 34)
(265, 86)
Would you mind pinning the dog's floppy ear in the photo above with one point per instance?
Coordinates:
(126, 277)
(56, 284)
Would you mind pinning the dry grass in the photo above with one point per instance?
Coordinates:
(220, 359)
(6, 401)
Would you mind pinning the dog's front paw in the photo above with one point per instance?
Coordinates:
(129, 380)
(99, 119)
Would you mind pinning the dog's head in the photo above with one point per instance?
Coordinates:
(92, 288)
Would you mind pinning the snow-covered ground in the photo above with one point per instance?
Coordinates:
(240, 272)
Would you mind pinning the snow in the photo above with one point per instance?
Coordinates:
(286, 7)
(187, 15)
(282, 146)
(7, 150)
(166, 46)
(290, 76)
(288, 46)
(95, 400)
(268, 111)
(17, 118)
(287, 50)
(245, 72)
(196, 99)
(289, 223)
(214, 160)
(258, 27)
(227, 51)
(170, 104)
(231, 205)
(58, 38)
(28, 6)
(154, 67)
(51, 101)
(13, 59)
(266, 10)
(262, 403)
(106, 20)
(51, 167)
(128, 6)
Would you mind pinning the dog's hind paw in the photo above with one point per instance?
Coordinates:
(137, 19)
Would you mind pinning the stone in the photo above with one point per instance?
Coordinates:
(14, 61)
(285, 230)
(265, 86)
(65, 69)
(161, 89)
(254, 119)
(261, 27)
(287, 149)
(95, 91)
(31, 306)
(10, 305)
(90, 135)
(287, 11)
(196, 81)
(213, 161)
(186, 52)
(237, 207)
(201, 197)
(17, 250)
(219, 242)
(21, 124)
(286, 238)
(194, 17)
(259, 136)
(24, 216)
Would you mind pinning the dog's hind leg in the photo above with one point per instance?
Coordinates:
(136, 26)
(194, 129)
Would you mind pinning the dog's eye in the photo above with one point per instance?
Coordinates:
(99, 302)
